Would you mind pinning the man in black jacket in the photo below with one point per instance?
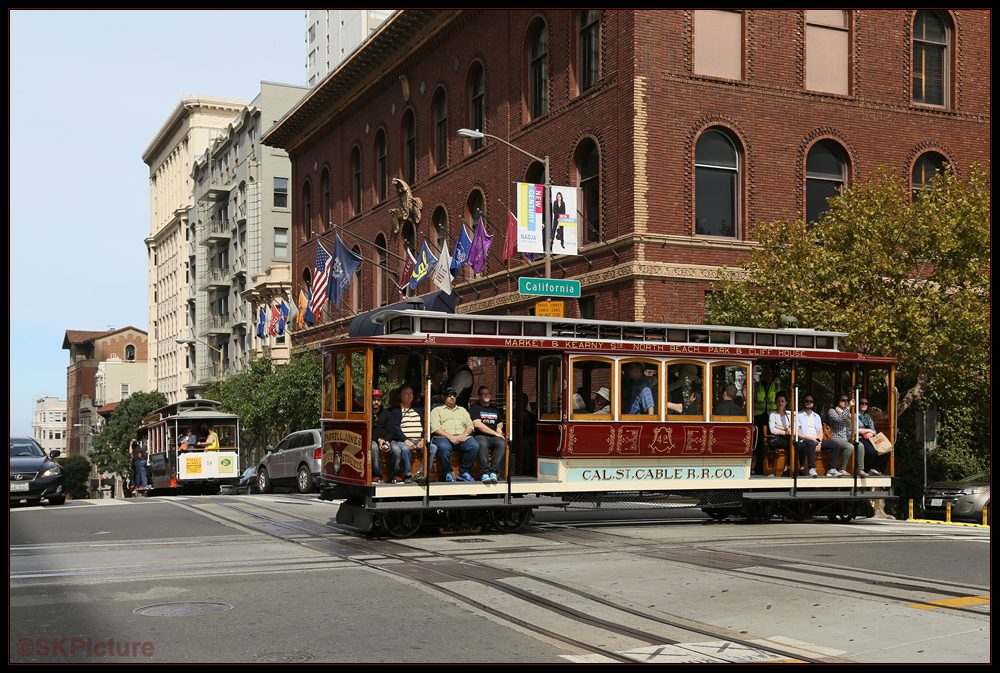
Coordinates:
(382, 433)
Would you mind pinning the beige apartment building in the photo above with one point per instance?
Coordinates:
(192, 126)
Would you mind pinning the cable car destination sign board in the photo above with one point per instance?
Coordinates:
(548, 287)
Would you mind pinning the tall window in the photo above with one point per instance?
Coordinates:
(538, 71)
(409, 239)
(440, 220)
(381, 166)
(826, 173)
(716, 184)
(130, 353)
(440, 129)
(477, 103)
(927, 166)
(409, 148)
(588, 170)
(826, 50)
(475, 207)
(356, 181)
(280, 243)
(306, 207)
(281, 192)
(589, 49)
(325, 215)
(718, 43)
(930, 58)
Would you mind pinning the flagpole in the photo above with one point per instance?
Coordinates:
(370, 261)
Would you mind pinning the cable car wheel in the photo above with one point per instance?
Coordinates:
(758, 511)
(507, 520)
(401, 524)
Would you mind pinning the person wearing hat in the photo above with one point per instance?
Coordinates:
(452, 427)
(383, 430)
(602, 402)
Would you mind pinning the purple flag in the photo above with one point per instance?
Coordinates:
(480, 247)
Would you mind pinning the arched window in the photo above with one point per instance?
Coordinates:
(326, 215)
(440, 129)
(716, 184)
(356, 181)
(930, 58)
(409, 148)
(538, 71)
(477, 105)
(381, 274)
(475, 207)
(826, 174)
(588, 49)
(440, 220)
(307, 209)
(409, 239)
(130, 353)
(926, 167)
(588, 175)
(381, 166)
(535, 173)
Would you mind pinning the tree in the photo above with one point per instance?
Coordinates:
(110, 452)
(76, 470)
(907, 275)
(272, 400)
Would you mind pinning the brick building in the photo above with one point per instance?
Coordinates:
(679, 129)
(87, 351)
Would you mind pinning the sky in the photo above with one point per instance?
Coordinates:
(88, 91)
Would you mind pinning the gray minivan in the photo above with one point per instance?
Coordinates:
(295, 461)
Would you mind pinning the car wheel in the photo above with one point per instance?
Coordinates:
(57, 499)
(263, 481)
(305, 481)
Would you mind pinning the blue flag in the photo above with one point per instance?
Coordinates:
(461, 256)
(260, 324)
(425, 264)
(283, 319)
(345, 262)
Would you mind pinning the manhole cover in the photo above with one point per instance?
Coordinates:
(285, 658)
(182, 609)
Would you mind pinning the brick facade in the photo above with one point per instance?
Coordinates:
(645, 114)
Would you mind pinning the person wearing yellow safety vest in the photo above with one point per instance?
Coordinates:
(212, 441)
(765, 393)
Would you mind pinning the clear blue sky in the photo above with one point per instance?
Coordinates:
(88, 90)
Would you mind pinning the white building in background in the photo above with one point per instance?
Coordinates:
(240, 232)
(332, 34)
(191, 127)
(48, 423)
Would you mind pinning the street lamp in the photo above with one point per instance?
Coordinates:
(188, 342)
(479, 135)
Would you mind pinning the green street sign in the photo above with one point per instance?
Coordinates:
(548, 287)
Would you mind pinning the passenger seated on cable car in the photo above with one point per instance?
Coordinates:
(602, 402)
(188, 440)
(640, 393)
(408, 430)
(383, 430)
(488, 423)
(780, 425)
(866, 430)
(579, 401)
(728, 405)
(452, 427)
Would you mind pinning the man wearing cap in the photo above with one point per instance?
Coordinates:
(452, 427)
(382, 432)
(602, 402)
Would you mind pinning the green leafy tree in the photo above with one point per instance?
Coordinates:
(110, 452)
(907, 275)
(76, 469)
(272, 400)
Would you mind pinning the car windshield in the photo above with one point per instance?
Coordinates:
(982, 476)
(25, 447)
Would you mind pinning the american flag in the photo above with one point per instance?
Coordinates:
(321, 279)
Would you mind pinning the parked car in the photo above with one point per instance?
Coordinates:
(967, 496)
(246, 485)
(295, 461)
(34, 475)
